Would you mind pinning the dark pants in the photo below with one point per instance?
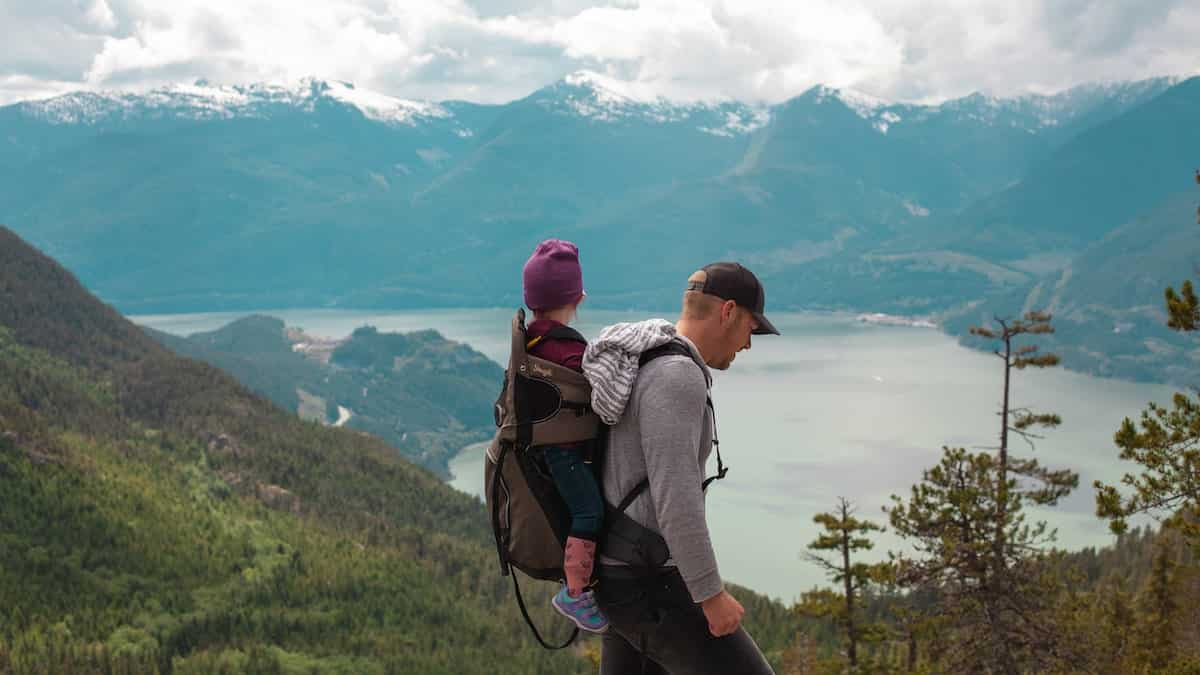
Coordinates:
(657, 615)
(577, 485)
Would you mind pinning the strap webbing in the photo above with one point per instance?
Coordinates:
(674, 347)
(666, 349)
(562, 332)
(721, 468)
(633, 494)
(529, 621)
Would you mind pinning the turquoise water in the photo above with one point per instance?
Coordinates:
(834, 407)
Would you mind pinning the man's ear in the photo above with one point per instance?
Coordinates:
(728, 309)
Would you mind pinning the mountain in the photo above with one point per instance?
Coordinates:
(320, 194)
(1098, 180)
(1100, 228)
(426, 396)
(1107, 302)
(205, 197)
(253, 179)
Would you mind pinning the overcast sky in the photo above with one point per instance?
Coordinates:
(499, 50)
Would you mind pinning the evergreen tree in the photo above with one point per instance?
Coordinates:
(1166, 443)
(988, 567)
(1101, 625)
(800, 658)
(1157, 609)
(843, 535)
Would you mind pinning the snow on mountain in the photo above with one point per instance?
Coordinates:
(864, 105)
(205, 101)
(605, 99)
(1029, 112)
(586, 94)
(1034, 112)
(880, 113)
(382, 107)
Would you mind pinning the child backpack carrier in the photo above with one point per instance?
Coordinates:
(543, 403)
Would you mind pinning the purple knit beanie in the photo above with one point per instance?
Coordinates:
(552, 275)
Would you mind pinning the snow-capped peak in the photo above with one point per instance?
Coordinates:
(383, 107)
(863, 104)
(203, 100)
(609, 89)
(607, 99)
(880, 113)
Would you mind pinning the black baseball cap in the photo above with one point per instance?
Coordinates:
(731, 281)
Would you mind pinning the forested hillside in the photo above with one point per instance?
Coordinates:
(426, 396)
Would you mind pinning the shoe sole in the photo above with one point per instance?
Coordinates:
(575, 621)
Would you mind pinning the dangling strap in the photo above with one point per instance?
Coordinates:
(536, 634)
(721, 468)
(505, 567)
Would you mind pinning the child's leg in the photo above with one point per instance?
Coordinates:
(579, 490)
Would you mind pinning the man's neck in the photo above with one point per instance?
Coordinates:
(692, 332)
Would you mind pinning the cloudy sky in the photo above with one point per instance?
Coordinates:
(498, 50)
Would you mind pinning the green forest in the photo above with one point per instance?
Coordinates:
(427, 396)
(156, 516)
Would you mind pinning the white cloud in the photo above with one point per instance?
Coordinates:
(497, 50)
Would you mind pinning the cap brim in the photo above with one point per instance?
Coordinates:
(765, 327)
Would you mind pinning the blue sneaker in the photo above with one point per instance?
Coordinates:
(581, 610)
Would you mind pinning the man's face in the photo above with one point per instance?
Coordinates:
(735, 326)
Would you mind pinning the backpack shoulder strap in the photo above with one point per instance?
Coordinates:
(561, 332)
(672, 348)
(675, 347)
(557, 333)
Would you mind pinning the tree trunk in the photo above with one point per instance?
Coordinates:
(851, 632)
(912, 650)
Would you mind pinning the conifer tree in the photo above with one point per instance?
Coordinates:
(800, 658)
(1166, 443)
(1157, 609)
(1118, 619)
(987, 566)
(844, 535)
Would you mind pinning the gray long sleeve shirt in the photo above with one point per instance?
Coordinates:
(665, 435)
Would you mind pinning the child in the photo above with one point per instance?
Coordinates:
(553, 283)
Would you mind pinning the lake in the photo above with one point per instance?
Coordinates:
(833, 407)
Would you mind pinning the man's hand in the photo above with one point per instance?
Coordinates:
(724, 613)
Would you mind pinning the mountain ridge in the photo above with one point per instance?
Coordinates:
(609, 100)
(329, 208)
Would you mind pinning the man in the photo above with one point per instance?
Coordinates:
(677, 618)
